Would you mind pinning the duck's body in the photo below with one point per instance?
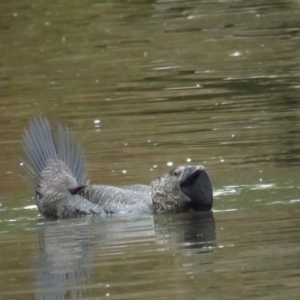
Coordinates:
(57, 166)
(118, 199)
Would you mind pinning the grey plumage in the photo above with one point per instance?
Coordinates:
(40, 147)
(57, 167)
(117, 199)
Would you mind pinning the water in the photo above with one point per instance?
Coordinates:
(143, 84)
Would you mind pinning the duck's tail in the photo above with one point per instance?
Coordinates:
(55, 161)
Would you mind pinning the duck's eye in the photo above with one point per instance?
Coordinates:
(176, 172)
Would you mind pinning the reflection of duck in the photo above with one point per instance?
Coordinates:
(78, 258)
(58, 169)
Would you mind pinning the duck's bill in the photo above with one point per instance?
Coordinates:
(196, 184)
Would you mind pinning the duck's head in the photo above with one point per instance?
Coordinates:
(182, 188)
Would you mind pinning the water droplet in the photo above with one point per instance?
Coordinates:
(169, 164)
(97, 121)
(235, 54)
(124, 171)
(188, 160)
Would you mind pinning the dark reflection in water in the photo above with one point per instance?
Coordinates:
(194, 230)
(66, 258)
